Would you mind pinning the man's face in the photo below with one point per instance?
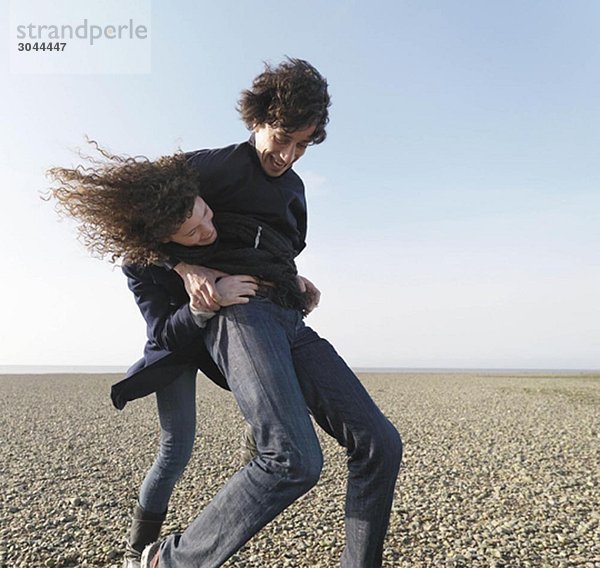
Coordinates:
(278, 149)
(198, 229)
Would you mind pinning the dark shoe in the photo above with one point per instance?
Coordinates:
(145, 529)
(151, 556)
(248, 450)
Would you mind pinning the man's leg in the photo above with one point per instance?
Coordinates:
(250, 343)
(344, 409)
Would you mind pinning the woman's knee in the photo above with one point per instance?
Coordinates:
(175, 452)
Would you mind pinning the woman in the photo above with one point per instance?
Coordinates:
(101, 198)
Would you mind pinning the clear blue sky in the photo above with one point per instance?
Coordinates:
(454, 210)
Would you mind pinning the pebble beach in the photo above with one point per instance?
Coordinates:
(499, 470)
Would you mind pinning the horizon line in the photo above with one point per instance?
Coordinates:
(95, 369)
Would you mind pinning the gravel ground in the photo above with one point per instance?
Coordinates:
(498, 470)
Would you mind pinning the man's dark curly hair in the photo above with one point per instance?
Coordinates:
(126, 206)
(292, 96)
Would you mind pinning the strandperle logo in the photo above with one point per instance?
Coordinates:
(75, 37)
(85, 31)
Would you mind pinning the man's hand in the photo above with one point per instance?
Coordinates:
(200, 284)
(313, 295)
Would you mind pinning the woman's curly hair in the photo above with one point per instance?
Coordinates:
(292, 96)
(126, 206)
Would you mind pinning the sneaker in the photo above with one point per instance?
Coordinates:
(132, 557)
(150, 556)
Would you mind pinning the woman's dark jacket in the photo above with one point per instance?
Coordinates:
(174, 339)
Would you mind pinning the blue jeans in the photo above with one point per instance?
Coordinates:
(276, 367)
(177, 414)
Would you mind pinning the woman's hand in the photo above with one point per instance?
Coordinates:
(236, 289)
(200, 284)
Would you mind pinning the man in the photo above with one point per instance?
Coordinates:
(275, 365)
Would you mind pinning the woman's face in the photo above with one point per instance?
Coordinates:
(198, 229)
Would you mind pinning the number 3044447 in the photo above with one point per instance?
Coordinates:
(42, 46)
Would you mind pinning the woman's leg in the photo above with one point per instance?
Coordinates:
(251, 345)
(177, 415)
(344, 409)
